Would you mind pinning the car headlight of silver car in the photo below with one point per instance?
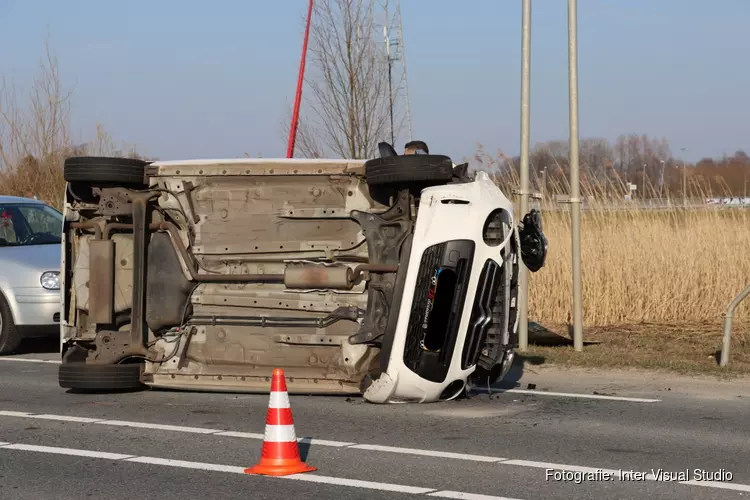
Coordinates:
(50, 280)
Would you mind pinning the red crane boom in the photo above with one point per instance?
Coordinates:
(300, 81)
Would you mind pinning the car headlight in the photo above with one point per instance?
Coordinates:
(50, 280)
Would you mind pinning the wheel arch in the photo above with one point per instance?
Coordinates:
(10, 300)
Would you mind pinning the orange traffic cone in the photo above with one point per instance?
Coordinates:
(280, 455)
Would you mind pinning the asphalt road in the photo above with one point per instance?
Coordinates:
(178, 446)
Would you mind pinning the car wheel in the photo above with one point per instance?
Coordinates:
(105, 170)
(10, 337)
(403, 171)
(101, 378)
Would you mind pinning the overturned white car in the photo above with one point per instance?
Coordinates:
(394, 277)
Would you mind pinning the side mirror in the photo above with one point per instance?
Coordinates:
(461, 171)
(533, 241)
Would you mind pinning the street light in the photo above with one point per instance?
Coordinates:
(575, 197)
(523, 272)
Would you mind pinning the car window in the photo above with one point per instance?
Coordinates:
(29, 224)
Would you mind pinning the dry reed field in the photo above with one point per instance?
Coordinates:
(655, 287)
(673, 266)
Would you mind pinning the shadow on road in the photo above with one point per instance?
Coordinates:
(514, 376)
(304, 445)
(538, 336)
(512, 379)
(39, 346)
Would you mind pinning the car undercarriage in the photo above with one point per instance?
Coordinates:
(206, 275)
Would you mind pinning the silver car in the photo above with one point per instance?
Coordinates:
(30, 235)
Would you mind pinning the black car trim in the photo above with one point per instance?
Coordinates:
(431, 337)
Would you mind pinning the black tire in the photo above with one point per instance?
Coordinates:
(104, 170)
(424, 170)
(102, 378)
(10, 337)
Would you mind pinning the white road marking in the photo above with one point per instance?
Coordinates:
(232, 469)
(25, 414)
(579, 395)
(429, 453)
(574, 468)
(465, 496)
(162, 427)
(67, 451)
(31, 360)
(68, 418)
(341, 444)
(357, 483)
(187, 465)
(548, 465)
(244, 435)
(617, 473)
(323, 442)
(718, 484)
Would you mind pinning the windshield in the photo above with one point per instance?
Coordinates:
(29, 224)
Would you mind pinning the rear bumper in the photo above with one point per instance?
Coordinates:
(448, 236)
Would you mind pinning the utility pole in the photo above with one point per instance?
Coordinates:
(387, 13)
(390, 76)
(575, 200)
(523, 272)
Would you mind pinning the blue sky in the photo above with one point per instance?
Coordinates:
(190, 79)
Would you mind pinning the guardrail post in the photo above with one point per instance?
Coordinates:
(728, 316)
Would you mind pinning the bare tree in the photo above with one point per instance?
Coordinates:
(34, 133)
(347, 100)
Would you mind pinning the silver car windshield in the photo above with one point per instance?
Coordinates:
(26, 224)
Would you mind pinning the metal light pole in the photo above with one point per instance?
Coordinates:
(523, 272)
(684, 180)
(575, 200)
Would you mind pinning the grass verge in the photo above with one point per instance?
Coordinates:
(688, 349)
